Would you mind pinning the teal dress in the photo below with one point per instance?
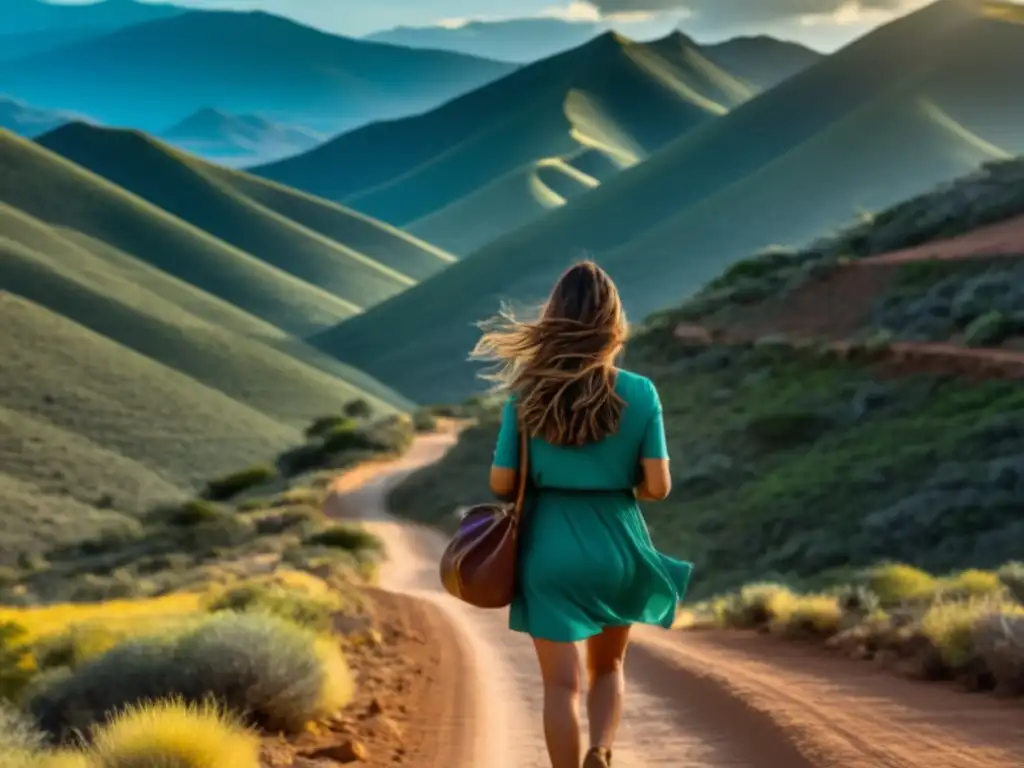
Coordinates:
(586, 557)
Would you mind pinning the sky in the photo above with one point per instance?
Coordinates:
(824, 24)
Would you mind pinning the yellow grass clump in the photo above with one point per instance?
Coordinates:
(973, 582)
(897, 583)
(46, 621)
(174, 734)
(806, 614)
(950, 625)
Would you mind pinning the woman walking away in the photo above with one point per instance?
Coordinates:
(587, 567)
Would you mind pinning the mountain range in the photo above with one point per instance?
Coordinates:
(528, 40)
(238, 139)
(153, 74)
(503, 155)
(923, 99)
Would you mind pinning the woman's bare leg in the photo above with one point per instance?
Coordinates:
(606, 654)
(560, 670)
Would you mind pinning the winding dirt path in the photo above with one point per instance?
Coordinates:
(703, 700)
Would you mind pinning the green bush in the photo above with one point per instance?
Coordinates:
(358, 409)
(327, 424)
(302, 458)
(305, 610)
(424, 421)
(989, 330)
(347, 537)
(275, 674)
(15, 666)
(229, 486)
(1012, 576)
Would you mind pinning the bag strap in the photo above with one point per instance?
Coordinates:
(524, 470)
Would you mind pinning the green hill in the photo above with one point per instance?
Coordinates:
(70, 279)
(37, 16)
(762, 61)
(168, 68)
(830, 460)
(213, 200)
(908, 106)
(621, 98)
(60, 193)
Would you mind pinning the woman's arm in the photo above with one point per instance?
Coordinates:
(504, 476)
(657, 478)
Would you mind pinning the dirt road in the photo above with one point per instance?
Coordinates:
(694, 699)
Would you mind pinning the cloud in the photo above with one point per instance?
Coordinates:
(746, 12)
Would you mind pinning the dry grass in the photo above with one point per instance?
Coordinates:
(967, 626)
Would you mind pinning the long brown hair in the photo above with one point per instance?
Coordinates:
(561, 366)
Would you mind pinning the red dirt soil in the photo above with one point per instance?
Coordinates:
(833, 309)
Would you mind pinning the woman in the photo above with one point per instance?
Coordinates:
(588, 570)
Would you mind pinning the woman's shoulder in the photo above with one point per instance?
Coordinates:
(633, 386)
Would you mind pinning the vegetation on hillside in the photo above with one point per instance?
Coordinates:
(213, 621)
(216, 201)
(780, 168)
(822, 491)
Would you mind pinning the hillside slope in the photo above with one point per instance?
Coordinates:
(936, 99)
(202, 195)
(621, 98)
(57, 192)
(238, 139)
(829, 458)
(762, 61)
(241, 62)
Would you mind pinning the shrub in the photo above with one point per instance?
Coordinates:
(342, 439)
(19, 740)
(229, 486)
(1012, 576)
(424, 421)
(301, 459)
(971, 583)
(347, 537)
(990, 329)
(15, 661)
(270, 671)
(358, 409)
(755, 605)
(192, 512)
(897, 583)
(327, 424)
(807, 615)
(951, 625)
(312, 612)
(172, 733)
(77, 644)
(999, 641)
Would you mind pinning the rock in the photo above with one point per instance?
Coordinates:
(350, 751)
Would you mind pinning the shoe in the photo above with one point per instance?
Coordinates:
(598, 757)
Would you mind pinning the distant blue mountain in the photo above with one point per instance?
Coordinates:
(152, 74)
(27, 121)
(27, 16)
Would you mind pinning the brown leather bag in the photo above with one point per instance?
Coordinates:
(479, 564)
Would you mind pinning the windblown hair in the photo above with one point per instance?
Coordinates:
(561, 366)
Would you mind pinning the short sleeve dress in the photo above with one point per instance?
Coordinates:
(586, 557)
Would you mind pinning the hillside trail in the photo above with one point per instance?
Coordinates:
(712, 700)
